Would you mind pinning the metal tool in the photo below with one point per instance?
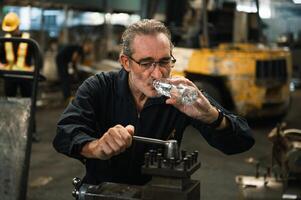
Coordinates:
(171, 146)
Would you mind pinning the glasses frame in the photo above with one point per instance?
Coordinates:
(154, 63)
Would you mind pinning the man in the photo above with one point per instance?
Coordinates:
(109, 108)
(16, 56)
(69, 54)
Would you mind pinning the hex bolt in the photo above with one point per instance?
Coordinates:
(76, 182)
(154, 155)
(164, 162)
(172, 162)
(151, 152)
(189, 160)
(159, 159)
(196, 155)
(159, 155)
(193, 158)
(185, 163)
(75, 193)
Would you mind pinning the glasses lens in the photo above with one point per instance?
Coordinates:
(162, 63)
(146, 64)
(165, 63)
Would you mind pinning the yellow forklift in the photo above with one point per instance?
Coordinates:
(251, 79)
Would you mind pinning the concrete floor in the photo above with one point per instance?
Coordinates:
(51, 173)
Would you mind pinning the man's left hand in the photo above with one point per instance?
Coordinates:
(201, 109)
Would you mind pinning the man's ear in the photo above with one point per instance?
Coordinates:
(124, 61)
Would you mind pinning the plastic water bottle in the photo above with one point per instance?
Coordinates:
(183, 93)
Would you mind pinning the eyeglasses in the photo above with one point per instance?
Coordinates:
(164, 63)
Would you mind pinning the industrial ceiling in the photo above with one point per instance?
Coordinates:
(92, 5)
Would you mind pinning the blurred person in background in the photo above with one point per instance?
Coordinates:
(67, 59)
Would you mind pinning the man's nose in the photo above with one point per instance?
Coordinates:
(156, 73)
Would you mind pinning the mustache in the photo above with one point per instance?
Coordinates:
(150, 82)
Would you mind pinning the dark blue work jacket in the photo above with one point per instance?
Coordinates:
(105, 100)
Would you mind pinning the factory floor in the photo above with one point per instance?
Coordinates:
(51, 173)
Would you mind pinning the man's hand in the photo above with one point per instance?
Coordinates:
(112, 143)
(201, 109)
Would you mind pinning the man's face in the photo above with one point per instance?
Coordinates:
(148, 49)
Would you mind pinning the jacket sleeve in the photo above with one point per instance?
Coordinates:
(77, 125)
(236, 138)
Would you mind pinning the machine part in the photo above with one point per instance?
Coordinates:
(263, 187)
(171, 177)
(287, 151)
(13, 140)
(191, 191)
(286, 165)
(287, 157)
(170, 167)
(251, 187)
(171, 146)
(170, 180)
(105, 191)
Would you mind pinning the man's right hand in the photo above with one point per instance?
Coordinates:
(112, 143)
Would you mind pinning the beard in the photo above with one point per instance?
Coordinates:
(139, 84)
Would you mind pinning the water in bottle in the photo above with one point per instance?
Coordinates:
(183, 93)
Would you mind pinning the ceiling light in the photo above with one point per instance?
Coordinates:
(297, 1)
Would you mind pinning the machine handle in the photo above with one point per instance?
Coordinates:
(149, 140)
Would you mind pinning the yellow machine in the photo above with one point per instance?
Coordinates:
(252, 80)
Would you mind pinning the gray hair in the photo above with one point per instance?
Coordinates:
(143, 27)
